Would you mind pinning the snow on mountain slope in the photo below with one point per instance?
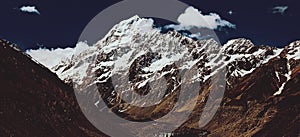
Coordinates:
(135, 44)
(135, 41)
(293, 50)
(244, 57)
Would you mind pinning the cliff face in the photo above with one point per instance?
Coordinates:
(34, 101)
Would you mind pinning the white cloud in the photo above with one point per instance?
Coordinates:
(192, 17)
(29, 9)
(50, 58)
(197, 23)
(196, 35)
(280, 9)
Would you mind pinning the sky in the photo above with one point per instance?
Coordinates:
(55, 23)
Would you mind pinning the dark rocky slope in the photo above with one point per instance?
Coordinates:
(34, 102)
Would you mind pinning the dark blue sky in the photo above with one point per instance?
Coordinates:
(61, 22)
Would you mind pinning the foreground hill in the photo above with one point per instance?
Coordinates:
(34, 102)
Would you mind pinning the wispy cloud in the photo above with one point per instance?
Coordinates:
(192, 17)
(29, 9)
(280, 9)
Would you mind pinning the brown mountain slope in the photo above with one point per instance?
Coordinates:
(249, 107)
(34, 102)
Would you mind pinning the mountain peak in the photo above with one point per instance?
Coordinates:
(126, 28)
(134, 18)
(239, 46)
(293, 50)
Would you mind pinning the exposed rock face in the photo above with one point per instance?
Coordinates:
(261, 88)
(34, 102)
(257, 104)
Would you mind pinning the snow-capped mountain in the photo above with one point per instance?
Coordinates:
(134, 55)
(136, 38)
